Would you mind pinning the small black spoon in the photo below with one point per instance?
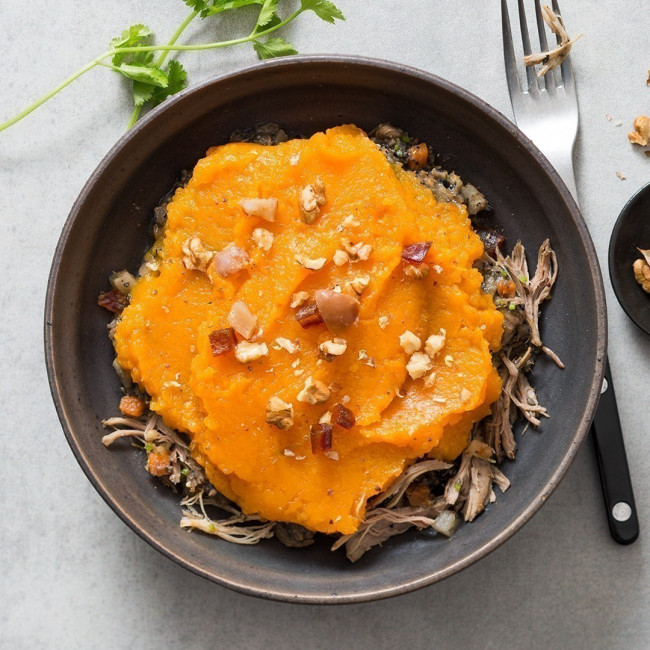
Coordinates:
(631, 232)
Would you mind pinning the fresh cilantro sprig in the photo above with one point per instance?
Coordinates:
(132, 53)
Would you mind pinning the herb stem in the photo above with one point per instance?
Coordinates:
(32, 107)
(161, 59)
(147, 48)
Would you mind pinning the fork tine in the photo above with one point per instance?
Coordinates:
(512, 77)
(549, 84)
(530, 72)
(566, 68)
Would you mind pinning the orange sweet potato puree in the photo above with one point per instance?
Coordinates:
(220, 403)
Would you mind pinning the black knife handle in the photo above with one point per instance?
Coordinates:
(612, 463)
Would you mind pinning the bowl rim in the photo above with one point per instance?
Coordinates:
(614, 275)
(288, 595)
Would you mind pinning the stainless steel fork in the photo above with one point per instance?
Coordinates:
(546, 110)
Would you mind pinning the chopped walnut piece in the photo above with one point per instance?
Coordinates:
(449, 361)
(294, 159)
(420, 272)
(321, 437)
(132, 406)
(553, 58)
(641, 133)
(359, 284)
(621, 176)
(299, 299)
(340, 258)
(464, 395)
(195, 256)
(230, 260)
(242, 319)
(366, 358)
(326, 418)
(642, 270)
(311, 264)
(286, 344)
(308, 315)
(350, 222)
(419, 365)
(263, 238)
(343, 416)
(356, 251)
(430, 380)
(247, 351)
(314, 392)
(263, 208)
(335, 348)
(383, 321)
(222, 341)
(310, 199)
(435, 343)
(279, 413)
(410, 342)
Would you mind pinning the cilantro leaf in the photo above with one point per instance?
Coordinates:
(131, 37)
(211, 7)
(273, 47)
(146, 92)
(324, 9)
(267, 13)
(176, 81)
(153, 76)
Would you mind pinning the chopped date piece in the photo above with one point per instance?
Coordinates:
(492, 240)
(343, 416)
(308, 315)
(222, 341)
(321, 437)
(113, 300)
(415, 253)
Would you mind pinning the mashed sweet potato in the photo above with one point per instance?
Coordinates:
(339, 206)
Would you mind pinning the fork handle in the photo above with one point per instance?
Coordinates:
(562, 160)
(612, 463)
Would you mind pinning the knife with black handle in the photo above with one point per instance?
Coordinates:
(612, 463)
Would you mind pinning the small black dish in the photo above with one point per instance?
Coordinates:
(631, 232)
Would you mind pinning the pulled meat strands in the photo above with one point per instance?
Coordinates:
(415, 253)
(222, 341)
(113, 300)
(308, 315)
(553, 58)
(338, 310)
(533, 291)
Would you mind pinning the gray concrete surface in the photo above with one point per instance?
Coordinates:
(74, 576)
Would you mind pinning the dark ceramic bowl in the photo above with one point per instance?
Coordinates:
(631, 232)
(108, 229)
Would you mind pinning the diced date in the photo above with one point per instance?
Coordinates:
(491, 240)
(415, 253)
(343, 416)
(113, 300)
(222, 341)
(321, 437)
(308, 315)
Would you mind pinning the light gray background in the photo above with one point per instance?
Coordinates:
(74, 576)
